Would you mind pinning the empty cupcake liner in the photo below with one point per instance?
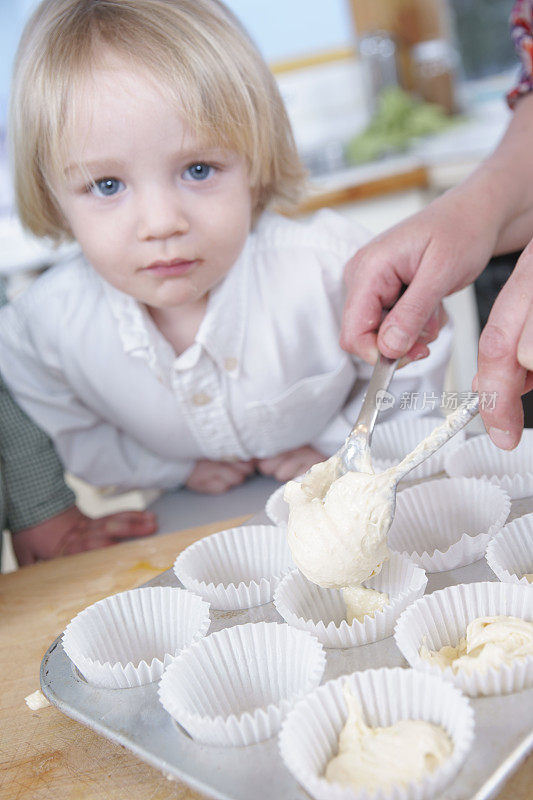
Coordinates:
(234, 687)
(309, 736)
(322, 612)
(441, 618)
(392, 441)
(510, 553)
(127, 639)
(480, 458)
(448, 522)
(237, 568)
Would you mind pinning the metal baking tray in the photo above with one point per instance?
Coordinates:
(135, 719)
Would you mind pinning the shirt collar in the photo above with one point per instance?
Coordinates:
(221, 331)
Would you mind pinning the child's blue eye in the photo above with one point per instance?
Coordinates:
(198, 172)
(106, 187)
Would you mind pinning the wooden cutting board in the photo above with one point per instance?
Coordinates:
(44, 755)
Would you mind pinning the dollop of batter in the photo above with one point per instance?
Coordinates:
(361, 602)
(337, 527)
(489, 642)
(374, 758)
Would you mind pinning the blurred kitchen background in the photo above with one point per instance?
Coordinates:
(392, 102)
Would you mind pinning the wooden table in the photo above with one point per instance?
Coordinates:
(44, 754)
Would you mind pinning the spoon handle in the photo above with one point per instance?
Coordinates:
(355, 453)
(439, 436)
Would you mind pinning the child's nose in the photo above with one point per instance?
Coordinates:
(161, 215)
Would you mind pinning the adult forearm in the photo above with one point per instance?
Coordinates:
(503, 184)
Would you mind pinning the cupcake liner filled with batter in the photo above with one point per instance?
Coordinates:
(437, 624)
(309, 738)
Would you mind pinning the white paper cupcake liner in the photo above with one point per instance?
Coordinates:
(309, 736)
(441, 618)
(479, 458)
(510, 553)
(322, 612)
(447, 523)
(392, 441)
(237, 568)
(127, 639)
(234, 687)
(277, 509)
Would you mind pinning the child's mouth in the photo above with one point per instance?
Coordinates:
(177, 266)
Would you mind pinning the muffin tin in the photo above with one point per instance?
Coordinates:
(135, 719)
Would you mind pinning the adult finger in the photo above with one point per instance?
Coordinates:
(428, 334)
(500, 375)
(525, 344)
(373, 287)
(410, 315)
(82, 541)
(125, 524)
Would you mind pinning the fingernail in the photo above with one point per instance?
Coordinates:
(395, 338)
(503, 439)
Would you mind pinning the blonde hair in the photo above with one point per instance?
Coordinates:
(195, 49)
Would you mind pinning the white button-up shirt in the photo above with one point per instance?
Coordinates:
(265, 373)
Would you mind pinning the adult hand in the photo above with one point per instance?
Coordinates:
(505, 359)
(73, 532)
(216, 477)
(288, 465)
(435, 253)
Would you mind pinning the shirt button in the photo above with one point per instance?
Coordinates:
(230, 364)
(201, 399)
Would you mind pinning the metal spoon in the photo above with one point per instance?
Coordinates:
(380, 490)
(355, 452)
(354, 455)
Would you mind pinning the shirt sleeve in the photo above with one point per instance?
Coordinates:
(521, 22)
(32, 475)
(89, 447)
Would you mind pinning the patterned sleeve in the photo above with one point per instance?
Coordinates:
(522, 35)
(30, 471)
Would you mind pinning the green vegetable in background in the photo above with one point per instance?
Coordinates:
(399, 119)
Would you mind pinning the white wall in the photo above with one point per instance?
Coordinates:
(282, 29)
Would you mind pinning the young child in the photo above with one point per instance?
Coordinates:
(195, 338)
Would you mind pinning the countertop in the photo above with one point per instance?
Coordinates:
(44, 754)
